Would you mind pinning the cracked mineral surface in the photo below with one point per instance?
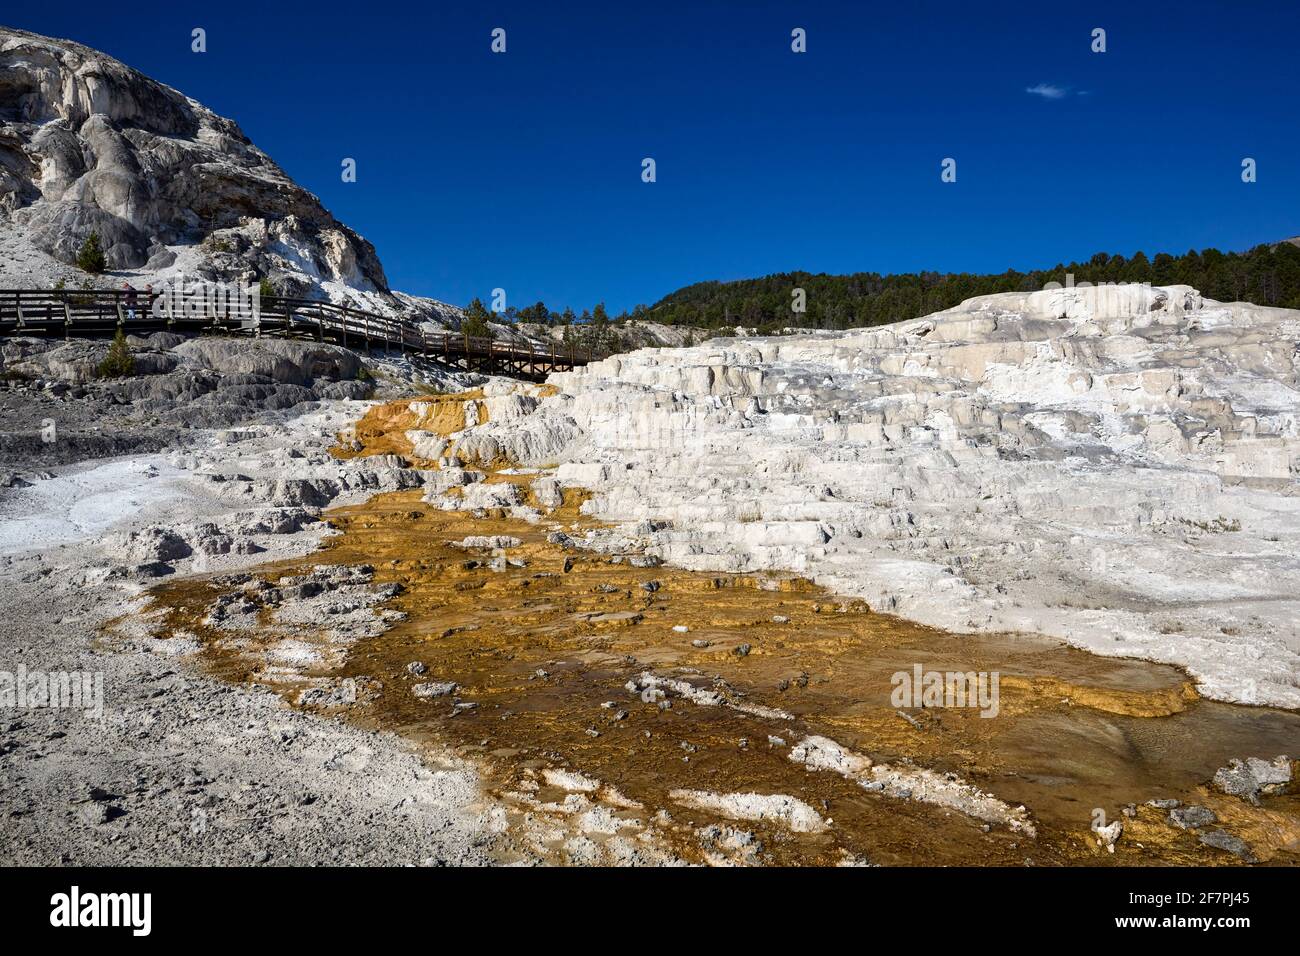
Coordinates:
(655, 611)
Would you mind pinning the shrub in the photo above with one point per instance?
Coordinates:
(90, 258)
(119, 362)
(475, 324)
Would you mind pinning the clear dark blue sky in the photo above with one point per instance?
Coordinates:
(522, 170)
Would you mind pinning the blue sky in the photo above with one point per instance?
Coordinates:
(523, 170)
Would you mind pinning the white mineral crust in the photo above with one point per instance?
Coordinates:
(1115, 467)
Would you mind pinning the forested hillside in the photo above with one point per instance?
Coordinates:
(1265, 275)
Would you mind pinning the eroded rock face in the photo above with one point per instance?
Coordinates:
(89, 144)
(1116, 469)
(178, 384)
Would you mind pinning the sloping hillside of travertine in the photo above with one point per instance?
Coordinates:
(1113, 466)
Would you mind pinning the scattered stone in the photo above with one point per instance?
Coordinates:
(778, 807)
(1191, 817)
(1166, 804)
(97, 813)
(1249, 778)
(1222, 840)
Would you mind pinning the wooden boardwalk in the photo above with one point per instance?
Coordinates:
(98, 313)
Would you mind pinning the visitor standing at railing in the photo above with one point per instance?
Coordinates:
(131, 300)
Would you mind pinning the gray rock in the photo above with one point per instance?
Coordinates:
(1189, 818)
(1222, 840)
(1249, 778)
(1166, 804)
(95, 146)
(280, 361)
(96, 813)
(147, 546)
(548, 493)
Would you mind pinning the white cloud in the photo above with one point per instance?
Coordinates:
(1047, 91)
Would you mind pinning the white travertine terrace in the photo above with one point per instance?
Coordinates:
(1116, 467)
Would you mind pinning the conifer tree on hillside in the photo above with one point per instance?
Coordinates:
(475, 323)
(1265, 275)
(599, 324)
(119, 362)
(90, 257)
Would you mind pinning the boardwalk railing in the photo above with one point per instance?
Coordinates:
(75, 312)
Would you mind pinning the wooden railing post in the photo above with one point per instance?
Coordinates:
(39, 309)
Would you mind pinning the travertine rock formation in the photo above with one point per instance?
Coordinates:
(1117, 467)
(88, 144)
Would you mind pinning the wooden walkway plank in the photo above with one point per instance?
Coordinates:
(87, 313)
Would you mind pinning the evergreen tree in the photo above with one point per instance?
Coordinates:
(599, 324)
(119, 362)
(90, 258)
(1268, 275)
(475, 323)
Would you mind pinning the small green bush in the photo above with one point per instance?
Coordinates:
(119, 362)
(475, 323)
(90, 258)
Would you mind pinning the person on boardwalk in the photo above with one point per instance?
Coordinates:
(131, 300)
